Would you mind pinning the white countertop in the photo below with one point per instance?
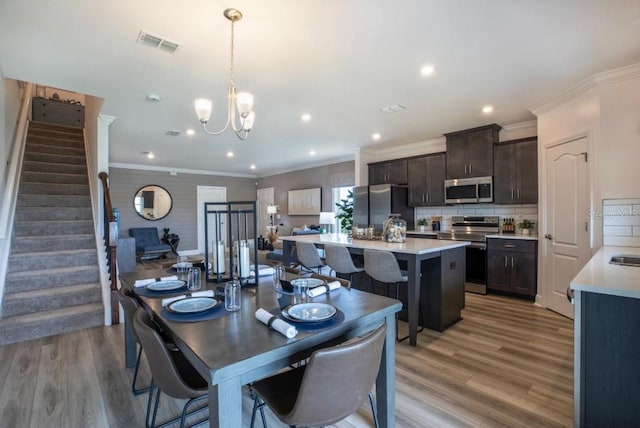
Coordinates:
(422, 232)
(513, 236)
(411, 246)
(599, 276)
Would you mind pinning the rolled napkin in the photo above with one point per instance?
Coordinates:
(143, 282)
(262, 271)
(317, 291)
(207, 293)
(276, 323)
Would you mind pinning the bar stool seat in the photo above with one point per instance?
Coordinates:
(383, 267)
(308, 256)
(339, 259)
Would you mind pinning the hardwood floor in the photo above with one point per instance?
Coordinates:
(507, 364)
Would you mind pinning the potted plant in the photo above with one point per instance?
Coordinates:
(526, 226)
(346, 212)
(422, 224)
(166, 231)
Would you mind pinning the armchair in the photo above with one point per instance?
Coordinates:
(148, 245)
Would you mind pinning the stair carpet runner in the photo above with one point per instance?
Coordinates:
(52, 284)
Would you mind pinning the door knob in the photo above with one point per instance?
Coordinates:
(548, 236)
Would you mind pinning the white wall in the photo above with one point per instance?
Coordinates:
(9, 109)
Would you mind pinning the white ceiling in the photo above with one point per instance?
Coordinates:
(338, 60)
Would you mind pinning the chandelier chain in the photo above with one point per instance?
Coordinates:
(231, 76)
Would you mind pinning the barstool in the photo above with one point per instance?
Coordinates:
(308, 256)
(383, 266)
(339, 259)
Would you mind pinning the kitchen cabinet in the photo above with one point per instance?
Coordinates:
(426, 175)
(388, 172)
(470, 152)
(516, 172)
(512, 266)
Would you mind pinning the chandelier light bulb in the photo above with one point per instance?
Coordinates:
(203, 109)
(248, 121)
(244, 103)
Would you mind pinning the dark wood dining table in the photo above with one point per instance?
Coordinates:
(236, 349)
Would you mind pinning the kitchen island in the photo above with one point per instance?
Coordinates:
(607, 340)
(436, 271)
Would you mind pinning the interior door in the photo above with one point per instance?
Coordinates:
(566, 230)
(210, 194)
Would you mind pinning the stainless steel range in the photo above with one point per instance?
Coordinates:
(474, 229)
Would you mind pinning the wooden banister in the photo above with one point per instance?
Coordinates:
(111, 242)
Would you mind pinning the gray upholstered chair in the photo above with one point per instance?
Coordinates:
(130, 306)
(171, 373)
(148, 245)
(308, 256)
(383, 267)
(339, 259)
(306, 395)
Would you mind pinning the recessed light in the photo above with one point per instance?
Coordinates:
(376, 136)
(149, 155)
(312, 152)
(252, 166)
(229, 154)
(190, 132)
(153, 98)
(487, 109)
(393, 109)
(427, 70)
(306, 117)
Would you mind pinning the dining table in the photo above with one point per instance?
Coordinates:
(234, 348)
(435, 270)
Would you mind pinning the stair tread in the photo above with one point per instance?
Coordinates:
(52, 292)
(52, 221)
(52, 271)
(39, 317)
(55, 252)
(58, 237)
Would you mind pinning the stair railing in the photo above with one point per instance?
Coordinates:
(12, 180)
(110, 228)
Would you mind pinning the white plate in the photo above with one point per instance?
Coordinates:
(312, 312)
(191, 305)
(184, 265)
(165, 285)
(307, 282)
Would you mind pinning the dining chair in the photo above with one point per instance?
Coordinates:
(382, 266)
(130, 306)
(306, 395)
(171, 373)
(308, 256)
(339, 259)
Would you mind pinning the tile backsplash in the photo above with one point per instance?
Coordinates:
(620, 222)
(517, 212)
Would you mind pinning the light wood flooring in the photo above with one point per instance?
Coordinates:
(507, 364)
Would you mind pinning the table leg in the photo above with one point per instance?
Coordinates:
(225, 404)
(413, 298)
(130, 351)
(386, 380)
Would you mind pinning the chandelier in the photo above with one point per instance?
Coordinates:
(242, 101)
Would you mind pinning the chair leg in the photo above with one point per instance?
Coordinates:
(152, 388)
(135, 376)
(374, 411)
(258, 404)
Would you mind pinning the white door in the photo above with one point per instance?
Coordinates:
(265, 198)
(211, 194)
(565, 233)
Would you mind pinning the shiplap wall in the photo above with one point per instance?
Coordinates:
(124, 183)
(620, 222)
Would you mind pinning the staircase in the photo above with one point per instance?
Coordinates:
(52, 284)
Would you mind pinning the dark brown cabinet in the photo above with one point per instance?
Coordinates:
(470, 152)
(511, 266)
(516, 172)
(388, 172)
(426, 176)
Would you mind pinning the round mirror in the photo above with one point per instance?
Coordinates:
(152, 202)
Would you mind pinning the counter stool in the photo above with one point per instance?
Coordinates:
(383, 266)
(339, 259)
(308, 256)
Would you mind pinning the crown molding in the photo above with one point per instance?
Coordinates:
(331, 161)
(106, 119)
(521, 125)
(178, 170)
(600, 79)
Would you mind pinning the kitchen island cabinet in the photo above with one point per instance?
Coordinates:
(607, 341)
(516, 172)
(426, 175)
(470, 152)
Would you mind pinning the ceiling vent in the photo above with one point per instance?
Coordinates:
(157, 42)
(173, 133)
(393, 109)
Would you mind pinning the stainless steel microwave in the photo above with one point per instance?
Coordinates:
(468, 190)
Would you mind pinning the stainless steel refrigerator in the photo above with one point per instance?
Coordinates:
(373, 204)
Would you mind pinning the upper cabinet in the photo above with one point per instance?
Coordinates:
(516, 172)
(470, 152)
(426, 180)
(388, 172)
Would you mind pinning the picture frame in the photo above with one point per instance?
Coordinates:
(305, 201)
